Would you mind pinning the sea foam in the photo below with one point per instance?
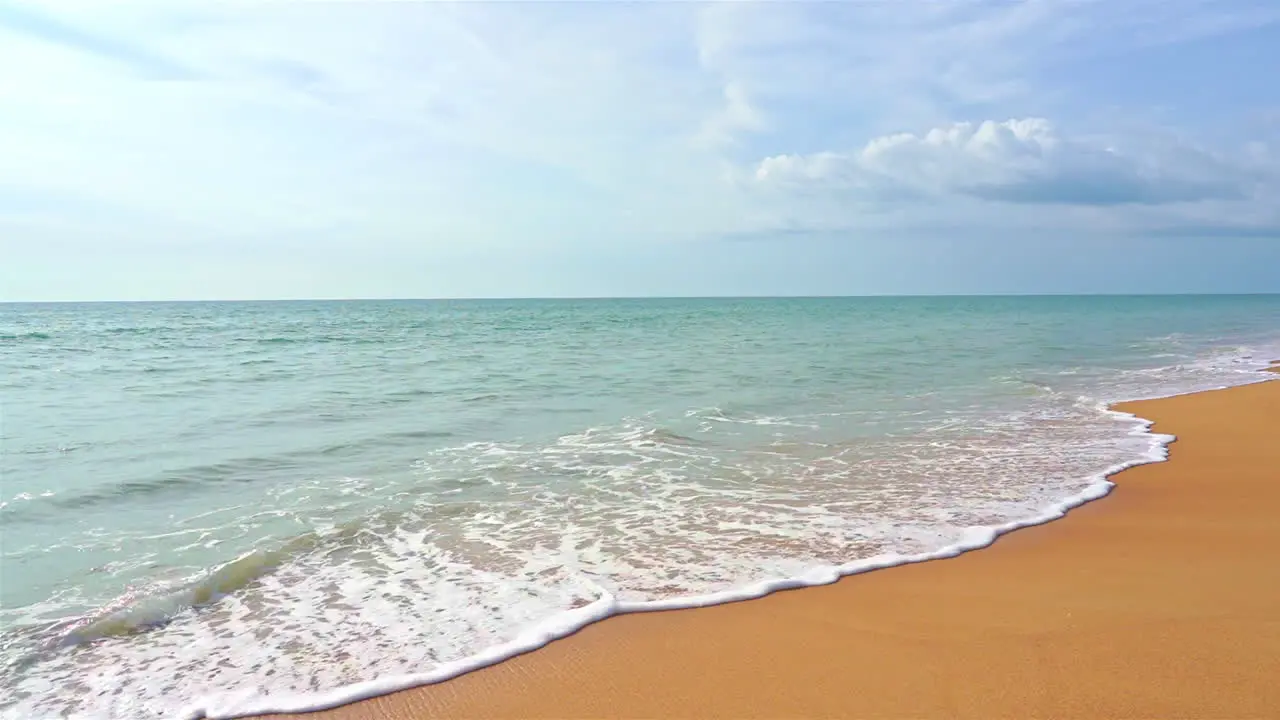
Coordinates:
(239, 704)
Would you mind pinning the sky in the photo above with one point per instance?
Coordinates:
(173, 149)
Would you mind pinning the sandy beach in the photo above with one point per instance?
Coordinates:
(1160, 600)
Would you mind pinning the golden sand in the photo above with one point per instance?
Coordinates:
(1161, 600)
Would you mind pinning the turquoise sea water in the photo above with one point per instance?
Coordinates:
(209, 504)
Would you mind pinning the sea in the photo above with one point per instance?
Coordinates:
(215, 509)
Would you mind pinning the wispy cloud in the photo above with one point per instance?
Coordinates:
(136, 57)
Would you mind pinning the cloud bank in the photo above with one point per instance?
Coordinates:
(1014, 161)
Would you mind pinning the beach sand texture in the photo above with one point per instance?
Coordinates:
(1161, 600)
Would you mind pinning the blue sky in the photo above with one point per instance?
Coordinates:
(277, 149)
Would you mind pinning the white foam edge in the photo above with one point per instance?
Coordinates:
(239, 704)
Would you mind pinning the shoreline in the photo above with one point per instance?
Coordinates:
(647, 664)
(586, 676)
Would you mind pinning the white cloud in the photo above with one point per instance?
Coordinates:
(1015, 161)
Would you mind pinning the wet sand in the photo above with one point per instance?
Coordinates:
(1160, 600)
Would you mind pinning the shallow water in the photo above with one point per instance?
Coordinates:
(213, 502)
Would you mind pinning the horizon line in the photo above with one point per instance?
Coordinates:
(511, 298)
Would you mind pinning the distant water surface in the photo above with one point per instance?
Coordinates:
(205, 502)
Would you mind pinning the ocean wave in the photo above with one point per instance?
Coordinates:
(140, 611)
(133, 614)
(189, 479)
(308, 339)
